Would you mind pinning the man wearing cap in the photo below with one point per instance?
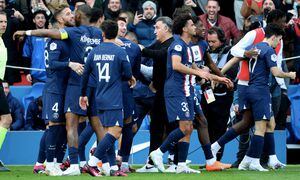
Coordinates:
(143, 24)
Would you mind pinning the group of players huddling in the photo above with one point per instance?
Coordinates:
(91, 72)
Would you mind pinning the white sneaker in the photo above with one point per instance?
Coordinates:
(157, 159)
(256, 167)
(105, 169)
(171, 169)
(73, 170)
(276, 165)
(53, 171)
(188, 161)
(244, 165)
(184, 169)
(147, 169)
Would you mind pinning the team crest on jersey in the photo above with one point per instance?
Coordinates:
(274, 57)
(178, 47)
(53, 46)
(55, 115)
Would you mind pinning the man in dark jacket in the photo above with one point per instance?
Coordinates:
(16, 109)
(34, 119)
(143, 24)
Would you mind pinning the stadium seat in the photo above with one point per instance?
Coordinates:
(36, 91)
(20, 92)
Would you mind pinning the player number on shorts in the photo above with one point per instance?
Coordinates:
(55, 107)
(184, 106)
(103, 71)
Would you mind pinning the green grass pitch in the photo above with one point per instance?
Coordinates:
(291, 172)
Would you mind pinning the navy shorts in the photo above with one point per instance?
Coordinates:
(180, 108)
(72, 100)
(92, 108)
(197, 106)
(260, 103)
(53, 107)
(110, 118)
(242, 97)
(128, 104)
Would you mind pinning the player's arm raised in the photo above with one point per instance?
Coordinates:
(51, 33)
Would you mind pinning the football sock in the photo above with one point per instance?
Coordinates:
(256, 146)
(73, 155)
(172, 139)
(51, 141)
(183, 149)
(42, 149)
(3, 132)
(269, 143)
(83, 139)
(104, 145)
(111, 155)
(127, 137)
(61, 144)
(227, 137)
(81, 127)
(207, 151)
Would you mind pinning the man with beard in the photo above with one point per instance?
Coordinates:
(143, 24)
(213, 18)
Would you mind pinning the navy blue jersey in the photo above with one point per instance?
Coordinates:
(177, 83)
(56, 62)
(82, 40)
(260, 68)
(109, 63)
(198, 51)
(134, 54)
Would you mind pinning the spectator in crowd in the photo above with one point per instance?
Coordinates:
(14, 19)
(53, 5)
(33, 50)
(16, 109)
(94, 3)
(40, 5)
(239, 19)
(113, 9)
(78, 3)
(213, 18)
(143, 24)
(217, 116)
(34, 119)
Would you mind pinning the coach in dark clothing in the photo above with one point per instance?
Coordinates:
(34, 119)
(158, 52)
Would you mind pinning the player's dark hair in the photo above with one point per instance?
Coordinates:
(182, 10)
(96, 13)
(180, 22)
(86, 10)
(273, 29)
(110, 29)
(219, 32)
(121, 19)
(275, 15)
(40, 101)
